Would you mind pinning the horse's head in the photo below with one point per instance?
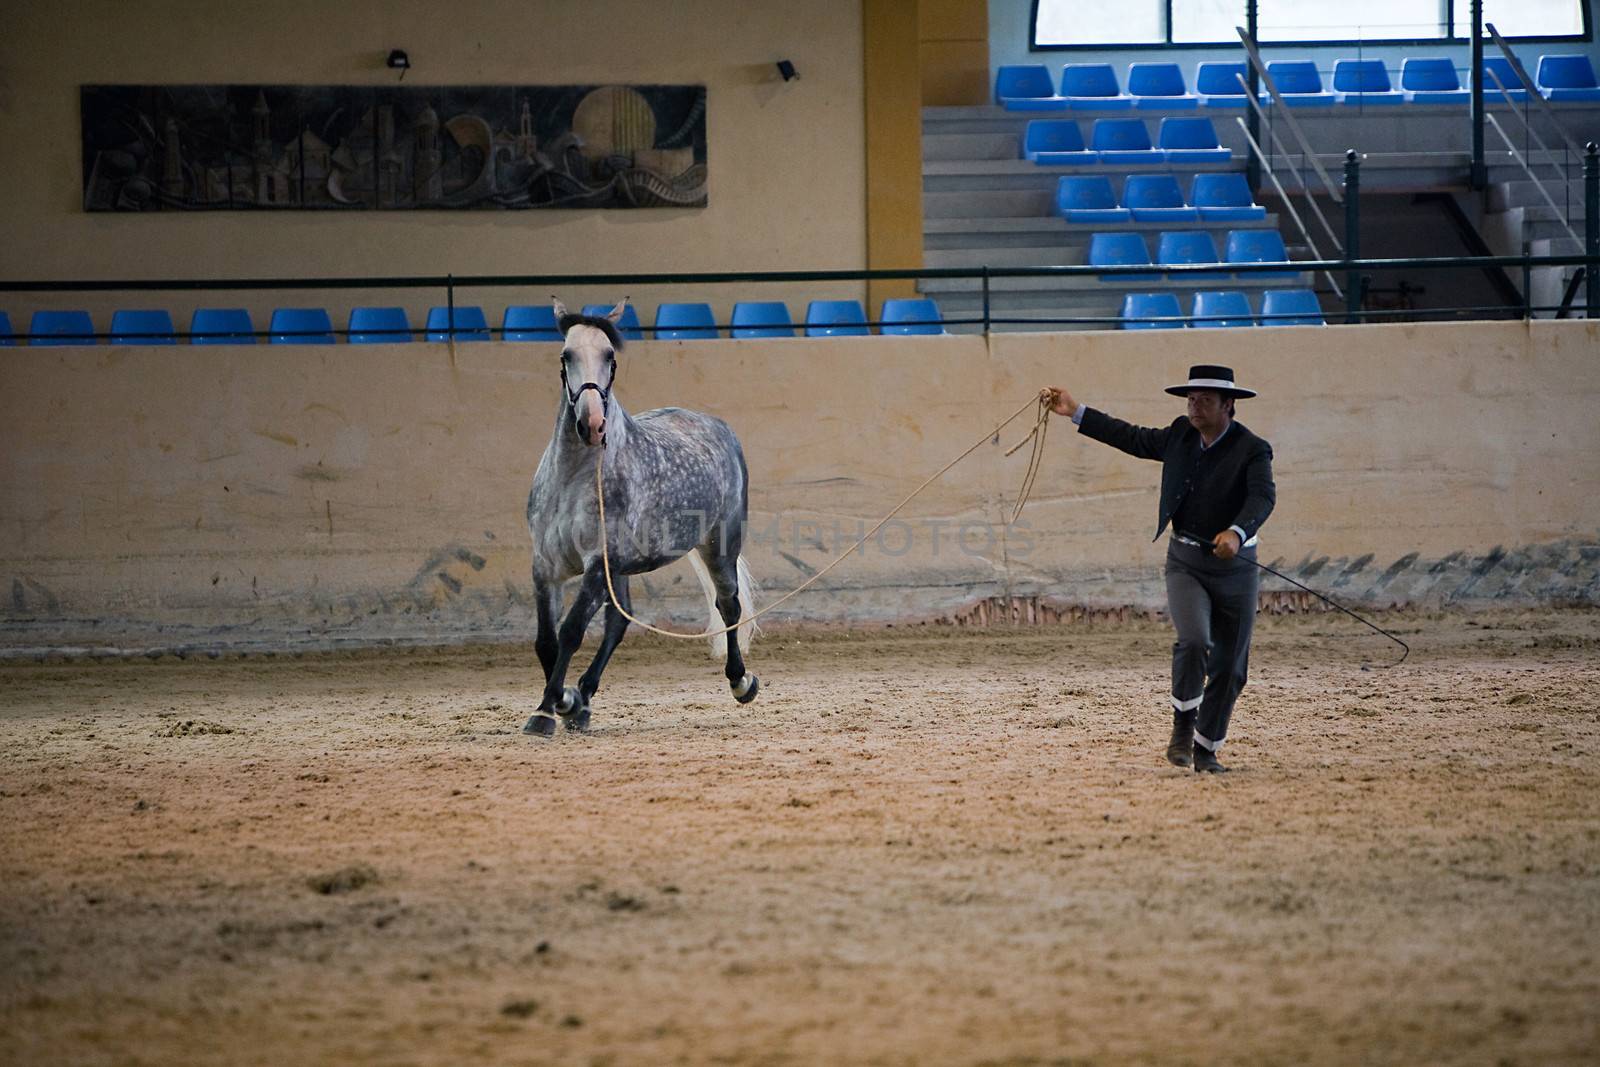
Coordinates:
(589, 368)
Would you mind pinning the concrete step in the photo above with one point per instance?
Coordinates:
(1329, 130)
(1031, 204)
(1074, 290)
(947, 176)
(1100, 302)
(1401, 171)
(1054, 232)
(1564, 244)
(1522, 192)
(1061, 255)
(950, 146)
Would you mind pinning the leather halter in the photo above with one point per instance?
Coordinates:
(605, 394)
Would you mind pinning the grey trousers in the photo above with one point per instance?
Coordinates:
(1213, 608)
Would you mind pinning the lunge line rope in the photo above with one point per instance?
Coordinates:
(1041, 404)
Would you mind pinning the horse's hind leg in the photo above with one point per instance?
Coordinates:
(724, 570)
(616, 625)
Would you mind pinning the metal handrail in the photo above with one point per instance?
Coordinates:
(1289, 119)
(1532, 89)
(984, 276)
(1305, 186)
(1527, 127)
(1266, 166)
(477, 281)
(1566, 224)
(1264, 318)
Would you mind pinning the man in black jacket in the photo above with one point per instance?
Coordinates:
(1216, 491)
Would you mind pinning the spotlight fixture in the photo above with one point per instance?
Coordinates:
(398, 60)
(786, 69)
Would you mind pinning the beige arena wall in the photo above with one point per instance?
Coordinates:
(786, 161)
(304, 496)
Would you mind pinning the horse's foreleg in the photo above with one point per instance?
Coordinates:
(725, 577)
(616, 625)
(547, 611)
(570, 636)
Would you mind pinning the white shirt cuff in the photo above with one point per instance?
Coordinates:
(1077, 415)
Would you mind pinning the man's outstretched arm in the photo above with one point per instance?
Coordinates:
(1144, 442)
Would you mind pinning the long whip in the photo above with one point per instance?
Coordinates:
(1326, 600)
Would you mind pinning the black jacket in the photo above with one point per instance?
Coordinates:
(1228, 484)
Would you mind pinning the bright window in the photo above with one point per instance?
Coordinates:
(1352, 20)
(1206, 21)
(1525, 18)
(1096, 23)
(1063, 22)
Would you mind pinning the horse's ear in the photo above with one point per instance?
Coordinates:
(615, 314)
(561, 309)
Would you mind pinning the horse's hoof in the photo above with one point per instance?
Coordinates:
(540, 724)
(578, 721)
(571, 702)
(745, 690)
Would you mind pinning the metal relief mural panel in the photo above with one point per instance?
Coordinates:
(348, 148)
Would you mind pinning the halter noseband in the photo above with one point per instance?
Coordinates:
(605, 394)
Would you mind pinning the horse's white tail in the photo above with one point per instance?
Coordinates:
(747, 605)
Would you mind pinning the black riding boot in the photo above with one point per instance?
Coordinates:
(1205, 761)
(1180, 750)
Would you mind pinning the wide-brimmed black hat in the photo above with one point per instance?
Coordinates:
(1209, 376)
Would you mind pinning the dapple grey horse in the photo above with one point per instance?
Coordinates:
(675, 484)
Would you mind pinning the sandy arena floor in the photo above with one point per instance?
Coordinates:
(919, 846)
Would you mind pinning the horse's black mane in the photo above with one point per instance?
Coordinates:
(605, 326)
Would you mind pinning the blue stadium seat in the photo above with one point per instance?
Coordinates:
(5, 329)
(1224, 198)
(300, 326)
(836, 318)
(761, 318)
(530, 322)
(1224, 309)
(627, 326)
(1156, 198)
(1026, 88)
(1144, 311)
(1120, 250)
(378, 326)
(1298, 83)
(221, 326)
(1088, 198)
(685, 322)
(1159, 86)
(470, 324)
(143, 327)
(1124, 141)
(1217, 84)
(1364, 82)
(1258, 246)
(1053, 141)
(1432, 80)
(1500, 67)
(907, 316)
(1092, 86)
(1191, 140)
(1567, 77)
(1297, 307)
(61, 328)
(1181, 247)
